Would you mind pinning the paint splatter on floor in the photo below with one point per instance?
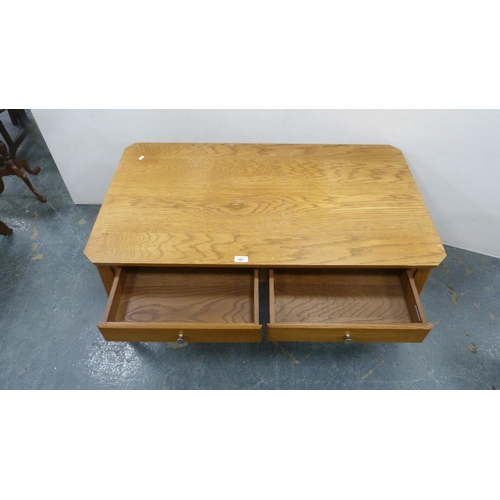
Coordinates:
(472, 348)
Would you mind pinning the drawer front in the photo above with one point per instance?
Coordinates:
(190, 305)
(347, 333)
(158, 332)
(308, 305)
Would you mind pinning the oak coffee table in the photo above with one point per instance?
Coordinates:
(339, 233)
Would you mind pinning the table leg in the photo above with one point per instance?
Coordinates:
(107, 275)
(420, 277)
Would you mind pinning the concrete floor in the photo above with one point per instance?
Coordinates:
(51, 298)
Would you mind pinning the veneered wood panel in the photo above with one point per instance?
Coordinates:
(339, 296)
(204, 305)
(107, 275)
(412, 297)
(338, 333)
(280, 205)
(420, 277)
(169, 332)
(187, 295)
(360, 305)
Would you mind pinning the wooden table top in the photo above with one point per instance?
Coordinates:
(278, 205)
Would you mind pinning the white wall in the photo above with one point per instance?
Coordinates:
(454, 154)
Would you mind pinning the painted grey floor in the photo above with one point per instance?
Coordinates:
(51, 298)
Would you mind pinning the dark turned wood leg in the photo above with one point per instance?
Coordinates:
(19, 118)
(22, 163)
(13, 167)
(7, 138)
(4, 229)
(17, 171)
(13, 116)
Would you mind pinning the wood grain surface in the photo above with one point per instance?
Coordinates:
(323, 296)
(280, 205)
(414, 332)
(158, 295)
(169, 332)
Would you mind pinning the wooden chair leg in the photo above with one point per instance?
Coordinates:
(22, 163)
(13, 116)
(19, 118)
(13, 167)
(16, 169)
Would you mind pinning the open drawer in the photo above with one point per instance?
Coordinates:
(336, 305)
(154, 304)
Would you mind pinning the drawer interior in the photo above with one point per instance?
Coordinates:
(344, 296)
(184, 295)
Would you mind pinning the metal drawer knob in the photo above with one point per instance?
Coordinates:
(180, 340)
(348, 338)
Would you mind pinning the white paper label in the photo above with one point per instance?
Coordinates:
(141, 157)
(241, 258)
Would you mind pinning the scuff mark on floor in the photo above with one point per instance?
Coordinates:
(453, 293)
(286, 353)
(82, 222)
(492, 316)
(458, 259)
(371, 371)
(175, 345)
